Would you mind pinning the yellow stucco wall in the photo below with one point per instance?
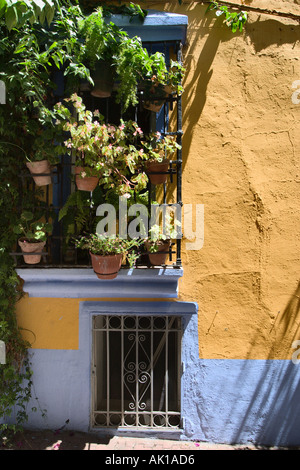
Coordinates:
(241, 160)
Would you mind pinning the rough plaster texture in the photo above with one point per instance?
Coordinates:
(241, 160)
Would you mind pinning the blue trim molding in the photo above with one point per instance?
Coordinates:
(83, 283)
(158, 25)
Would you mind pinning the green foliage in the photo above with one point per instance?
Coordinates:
(17, 12)
(157, 148)
(132, 10)
(234, 20)
(32, 230)
(111, 151)
(103, 245)
(15, 375)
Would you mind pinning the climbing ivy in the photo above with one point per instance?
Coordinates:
(235, 20)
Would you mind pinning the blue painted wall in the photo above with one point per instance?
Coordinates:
(223, 401)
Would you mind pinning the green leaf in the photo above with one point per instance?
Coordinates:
(27, 215)
(11, 18)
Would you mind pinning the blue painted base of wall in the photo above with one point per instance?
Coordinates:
(223, 401)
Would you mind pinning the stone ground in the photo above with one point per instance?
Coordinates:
(73, 440)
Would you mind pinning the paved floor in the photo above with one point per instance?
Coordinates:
(69, 440)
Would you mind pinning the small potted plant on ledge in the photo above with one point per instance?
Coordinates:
(107, 253)
(160, 238)
(87, 136)
(33, 237)
(157, 153)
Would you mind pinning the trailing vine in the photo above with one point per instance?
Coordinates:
(235, 20)
(15, 375)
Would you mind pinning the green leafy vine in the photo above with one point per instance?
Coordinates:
(235, 20)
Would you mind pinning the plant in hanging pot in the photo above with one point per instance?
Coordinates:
(157, 153)
(107, 253)
(101, 45)
(87, 135)
(44, 149)
(159, 81)
(159, 242)
(33, 236)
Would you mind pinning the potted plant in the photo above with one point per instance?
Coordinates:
(157, 153)
(117, 60)
(106, 154)
(159, 81)
(107, 253)
(33, 236)
(44, 138)
(159, 242)
(87, 136)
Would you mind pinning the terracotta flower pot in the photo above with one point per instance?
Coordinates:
(106, 267)
(158, 258)
(84, 182)
(154, 95)
(28, 247)
(42, 166)
(157, 171)
(103, 80)
(154, 106)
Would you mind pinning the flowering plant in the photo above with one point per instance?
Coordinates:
(158, 148)
(113, 151)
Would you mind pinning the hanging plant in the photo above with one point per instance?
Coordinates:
(235, 20)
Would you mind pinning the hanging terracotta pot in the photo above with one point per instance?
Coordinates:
(158, 258)
(154, 96)
(29, 247)
(36, 168)
(106, 267)
(103, 79)
(157, 171)
(154, 106)
(84, 182)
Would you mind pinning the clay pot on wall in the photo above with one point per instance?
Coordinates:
(31, 247)
(157, 171)
(154, 95)
(84, 182)
(41, 167)
(160, 257)
(103, 80)
(108, 266)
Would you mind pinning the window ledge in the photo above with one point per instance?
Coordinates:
(157, 24)
(83, 283)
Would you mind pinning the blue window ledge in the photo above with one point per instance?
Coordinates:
(157, 26)
(159, 283)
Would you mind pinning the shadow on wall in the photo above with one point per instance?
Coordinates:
(287, 326)
(265, 33)
(199, 71)
(262, 33)
(270, 413)
(273, 408)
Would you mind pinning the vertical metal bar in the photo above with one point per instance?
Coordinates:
(151, 373)
(122, 371)
(136, 371)
(167, 371)
(179, 336)
(179, 159)
(107, 372)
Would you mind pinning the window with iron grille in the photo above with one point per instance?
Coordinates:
(136, 371)
(60, 251)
